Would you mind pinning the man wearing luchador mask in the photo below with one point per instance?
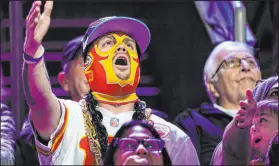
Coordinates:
(67, 132)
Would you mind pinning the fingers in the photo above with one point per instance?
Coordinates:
(48, 8)
(34, 6)
(32, 24)
(240, 120)
(250, 106)
(34, 18)
(242, 112)
(36, 21)
(243, 104)
(244, 116)
(249, 96)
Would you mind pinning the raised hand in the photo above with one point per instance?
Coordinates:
(37, 25)
(247, 110)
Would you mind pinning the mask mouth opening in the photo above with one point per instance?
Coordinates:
(122, 61)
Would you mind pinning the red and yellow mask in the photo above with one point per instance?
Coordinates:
(112, 69)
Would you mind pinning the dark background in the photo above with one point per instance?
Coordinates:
(178, 49)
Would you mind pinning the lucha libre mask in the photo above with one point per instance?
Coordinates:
(112, 69)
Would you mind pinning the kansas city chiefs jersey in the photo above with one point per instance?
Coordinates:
(69, 144)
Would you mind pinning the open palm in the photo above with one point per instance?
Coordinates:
(37, 25)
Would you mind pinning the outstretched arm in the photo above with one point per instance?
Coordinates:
(236, 139)
(45, 109)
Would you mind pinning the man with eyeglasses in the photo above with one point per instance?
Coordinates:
(229, 70)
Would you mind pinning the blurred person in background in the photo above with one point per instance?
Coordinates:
(137, 143)
(8, 129)
(229, 70)
(72, 78)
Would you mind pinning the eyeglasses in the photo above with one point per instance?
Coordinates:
(131, 144)
(234, 62)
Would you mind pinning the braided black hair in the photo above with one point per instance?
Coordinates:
(97, 117)
(139, 113)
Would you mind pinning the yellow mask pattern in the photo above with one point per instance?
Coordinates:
(101, 75)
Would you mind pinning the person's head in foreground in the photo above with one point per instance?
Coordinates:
(230, 69)
(72, 78)
(111, 49)
(265, 126)
(137, 143)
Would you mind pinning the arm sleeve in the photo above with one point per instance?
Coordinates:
(224, 156)
(183, 152)
(218, 157)
(62, 138)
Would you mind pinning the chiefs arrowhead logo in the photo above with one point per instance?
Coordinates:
(88, 61)
(163, 130)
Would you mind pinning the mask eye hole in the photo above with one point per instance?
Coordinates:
(106, 42)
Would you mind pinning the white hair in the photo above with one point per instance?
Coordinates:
(225, 48)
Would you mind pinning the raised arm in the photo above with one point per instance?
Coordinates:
(236, 139)
(44, 106)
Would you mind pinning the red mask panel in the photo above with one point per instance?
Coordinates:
(112, 69)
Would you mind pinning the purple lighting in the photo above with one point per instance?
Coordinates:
(141, 91)
(53, 56)
(64, 23)
(147, 91)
